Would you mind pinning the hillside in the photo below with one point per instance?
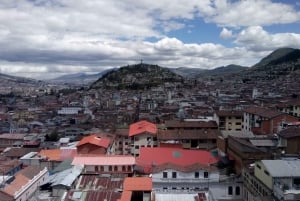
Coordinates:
(15, 81)
(223, 70)
(187, 72)
(279, 56)
(79, 78)
(277, 65)
(139, 76)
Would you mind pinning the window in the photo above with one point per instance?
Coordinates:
(229, 190)
(154, 138)
(136, 147)
(123, 168)
(110, 168)
(238, 123)
(96, 169)
(115, 168)
(196, 174)
(174, 174)
(237, 190)
(205, 174)
(102, 168)
(165, 174)
(266, 172)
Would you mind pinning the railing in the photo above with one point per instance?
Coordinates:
(182, 180)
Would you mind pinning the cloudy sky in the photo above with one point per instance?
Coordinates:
(48, 38)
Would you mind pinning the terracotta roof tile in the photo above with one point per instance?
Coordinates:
(58, 154)
(190, 124)
(150, 157)
(141, 127)
(229, 113)
(290, 132)
(96, 140)
(19, 181)
(188, 134)
(126, 196)
(5, 197)
(264, 112)
(138, 184)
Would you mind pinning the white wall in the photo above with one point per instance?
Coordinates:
(186, 176)
(25, 192)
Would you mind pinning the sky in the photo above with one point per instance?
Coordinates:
(43, 39)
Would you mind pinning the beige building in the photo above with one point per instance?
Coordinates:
(280, 176)
(229, 120)
(142, 134)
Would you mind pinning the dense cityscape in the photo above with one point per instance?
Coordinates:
(143, 132)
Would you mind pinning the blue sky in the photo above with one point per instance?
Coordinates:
(50, 38)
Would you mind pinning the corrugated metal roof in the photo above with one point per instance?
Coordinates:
(66, 177)
(104, 160)
(283, 168)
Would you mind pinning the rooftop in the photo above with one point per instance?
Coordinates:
(176, 156)
(264, 112)
(283, 168)
(95, 140)
(138, 184)
(142, 127)
(104, 160)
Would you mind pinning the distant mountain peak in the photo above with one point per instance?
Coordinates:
(278, 56)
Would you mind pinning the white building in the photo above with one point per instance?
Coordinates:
(25, 183)
(69, 110)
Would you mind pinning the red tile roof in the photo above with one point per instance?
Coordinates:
(96, 140)
(19, 181)
(162, 155)
(191, 124)
(58, 154)
(188, 134)
(229, 113)
(142, 127)
(264, 112)
(291, 132)
(137, 184)
(126, 196)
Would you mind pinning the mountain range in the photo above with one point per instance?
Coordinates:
(281, 62)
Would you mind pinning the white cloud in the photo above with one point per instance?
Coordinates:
(252, 13)
(226, 33)
(257, 39)
(43, 36)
